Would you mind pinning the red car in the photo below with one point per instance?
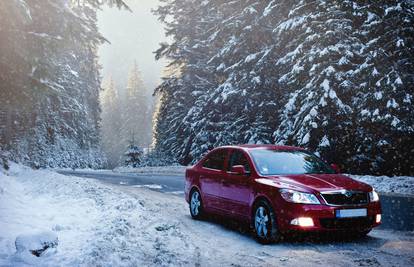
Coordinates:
(278, 189)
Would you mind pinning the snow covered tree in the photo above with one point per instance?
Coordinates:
(332, 76)
(385, 88)
(345, 76)
(239, 108)
(224, 92)
(187, 57)
(111, 124)
(133, 155)
(316, 64)
(136, 116)
(49, 108)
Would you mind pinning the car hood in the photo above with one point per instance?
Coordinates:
(322, 182)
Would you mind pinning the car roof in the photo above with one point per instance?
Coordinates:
(263, 146)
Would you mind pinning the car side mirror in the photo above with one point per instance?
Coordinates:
(238, 170)
(336, 168)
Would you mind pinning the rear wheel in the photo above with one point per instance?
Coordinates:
(196, 205)
(264, 223)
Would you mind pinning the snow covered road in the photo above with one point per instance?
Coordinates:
(115, 225)
(398, 209)
(171, 183)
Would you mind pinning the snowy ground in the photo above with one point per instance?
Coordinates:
(98, 224)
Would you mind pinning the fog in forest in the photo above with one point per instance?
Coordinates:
(133, 37)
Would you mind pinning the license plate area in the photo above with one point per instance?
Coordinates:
(351, 213)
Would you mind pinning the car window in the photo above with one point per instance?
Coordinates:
(215, 160)
(276, 162)
(238, 158)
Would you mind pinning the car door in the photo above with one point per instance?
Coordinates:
(211, 175)
(236, 190)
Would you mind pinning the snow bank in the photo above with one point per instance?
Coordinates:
(386, 184)
(91, 221)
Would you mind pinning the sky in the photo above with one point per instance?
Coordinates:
(133, 36)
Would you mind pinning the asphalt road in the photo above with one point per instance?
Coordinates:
(398, 210)
(159, 182)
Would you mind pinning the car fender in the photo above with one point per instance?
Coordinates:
(265, 192)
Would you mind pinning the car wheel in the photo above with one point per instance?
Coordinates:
(196, 205)
(264, 223)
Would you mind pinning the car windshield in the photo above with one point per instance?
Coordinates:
(277, 162)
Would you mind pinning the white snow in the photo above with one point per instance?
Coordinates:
(37, 244)
(395, 122)
(398, 81)
(250, 58)
(393, 8)
(343, 61)
(324, 142)
(392, 103)
(108, 225)
(31, 242)
(386, 184)
(150, 186)
(269, 8)
(256, 80)
(325, 85)
(365, 112)
(305, 139)
(378, 95)
(313, 112)
(400, 42)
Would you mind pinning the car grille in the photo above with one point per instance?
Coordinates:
(347, 223)
(344, 198)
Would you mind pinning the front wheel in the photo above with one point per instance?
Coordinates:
(265, 224)
(196, 205)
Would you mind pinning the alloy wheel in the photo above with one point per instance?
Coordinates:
(195, 204)
(261, 222)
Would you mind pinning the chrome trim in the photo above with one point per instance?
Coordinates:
(343, 191)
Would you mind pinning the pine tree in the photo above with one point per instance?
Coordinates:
(335, 77)
(240, 107)
(385, 133)
(316, 67)
(133, 155)
(136, 114)
(111, 123)
(49, 109)
(190, 75)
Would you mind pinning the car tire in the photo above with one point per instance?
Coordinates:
(196, 205)
(265, 223)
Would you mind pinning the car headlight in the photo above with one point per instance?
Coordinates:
(373, 196)
(298, 197)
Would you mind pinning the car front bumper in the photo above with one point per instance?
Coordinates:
(324, 218)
